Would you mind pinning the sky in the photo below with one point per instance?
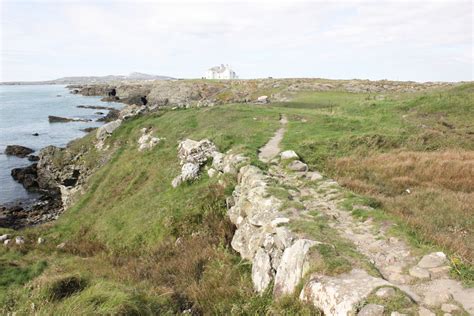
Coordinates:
(396, 40)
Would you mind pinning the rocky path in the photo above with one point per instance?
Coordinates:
(425, 280)
(272, 148)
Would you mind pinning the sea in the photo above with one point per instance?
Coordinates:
(24, 110)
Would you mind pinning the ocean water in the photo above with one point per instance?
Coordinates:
(24, 110)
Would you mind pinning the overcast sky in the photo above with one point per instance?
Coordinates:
(399, 40)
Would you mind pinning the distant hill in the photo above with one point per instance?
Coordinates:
(134, 76)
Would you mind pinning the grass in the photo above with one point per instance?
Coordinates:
(380, 148)
(135, 245)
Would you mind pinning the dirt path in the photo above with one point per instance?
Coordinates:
(426, 280)
(272, 148)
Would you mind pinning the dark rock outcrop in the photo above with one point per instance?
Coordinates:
(111, 116)
(18, 151)
(27, 176)
(95, 107)
(59, 119)
(33, 158)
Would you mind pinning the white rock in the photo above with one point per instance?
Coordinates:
(433, 260)
(211, 172)
(41, 240)
(419, 273)
(7, 241)
(19, 240)
(439, 272)
(338, 295)
(279, 221)
(297, 165)
(176, 181)
(372, 310)
(422, 311)
(261, 270)
(385, 292)
(189, 171)
(293, 266)
(61, 245)
(289, 154)
(195, 152)
(107, 129)
(397, 314)
(314, 176)
(262, 99)
(449, 308)
(4, 237)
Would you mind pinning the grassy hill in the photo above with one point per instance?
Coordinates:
(135, 245)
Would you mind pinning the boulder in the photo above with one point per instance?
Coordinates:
(146, 141)
(107, 129)
(18, 151)
(27, 176)
(19, 240)
(263, 99)
(197, 152)
(292, 267)
(419, 273)
(297, 165)
(189, 171)
(4, 237)
(371, 310)
(338, 295)
(289, 154)
(262, 273)
(385, 292)
(433, 260)
(422, 311)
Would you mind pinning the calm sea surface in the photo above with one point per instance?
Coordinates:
(24, 110)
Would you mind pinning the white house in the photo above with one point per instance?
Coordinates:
(221, 72)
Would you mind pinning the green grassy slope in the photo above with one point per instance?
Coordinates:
(122, 255)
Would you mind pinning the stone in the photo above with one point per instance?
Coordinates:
(41, 240)
(439, 272)
(371, 310)
(18, 151)
(419, 273)
(449, 308)
(292, 267)
(314, 176)
(146, 141)
(297, 165)
(261, 271)
(397, 314)
(19, 240)
(433, 260)
(338, 295)
(263, 99)
(61, 245)
(211, 172)
(6, 242)
(280, 221)
(422, 311)
(385, 292)
(196, 152)
(435, 298)
(189, 171)
(4, 237)
(289, 154)
(107, 129)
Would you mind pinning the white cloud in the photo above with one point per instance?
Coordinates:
(279, 38)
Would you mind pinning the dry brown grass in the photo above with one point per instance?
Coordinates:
(433, 192)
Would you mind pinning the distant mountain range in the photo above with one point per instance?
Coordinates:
(134, 76)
